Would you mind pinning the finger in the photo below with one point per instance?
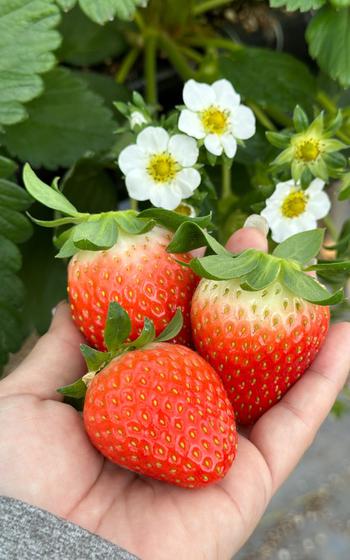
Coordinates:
(247, 238)
(54, 361)
(285, 432)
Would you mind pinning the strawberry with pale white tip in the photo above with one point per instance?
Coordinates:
(156, 408)
(259, 319)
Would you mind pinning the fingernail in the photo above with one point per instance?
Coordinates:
(53, 311)
(258, 222)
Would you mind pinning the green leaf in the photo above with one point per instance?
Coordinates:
(96, 234)
(94, 359)
(331, 266)
(129, 222)
(10, 255)
(264, 274)
(96, 43)
(64, 123)
(66, 4)
(300, 119)
(105, 10)
(173, 220)
(306, 287)
(219, 267)
(76, 390)
(13, 196)
(191, 236)
(269, 78)
(118, 327)
(302, 5)
(172, 329)
(27, 39)
(147, 335)
(301, 247)
(104, 86)
(54, 223)
(7, 167)
(45, 194)
(344, 193)
(278, 139)
(328, 35)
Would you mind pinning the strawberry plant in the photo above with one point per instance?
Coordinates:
(153, 114)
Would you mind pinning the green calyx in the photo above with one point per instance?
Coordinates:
(96, 232)
(116, 334)
(256, 270)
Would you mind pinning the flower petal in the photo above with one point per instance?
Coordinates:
(190, 123)
(153, 140)
(165, 196)
(213, 144)
(284, 229)
(226, 96)
(184, 149)
(197, 96)
(139, 184)
(315, 187)
(229, 144)
(243, 122)
(130, 158)
(187, 180)
(319, 205)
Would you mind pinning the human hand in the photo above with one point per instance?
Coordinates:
(47, 460)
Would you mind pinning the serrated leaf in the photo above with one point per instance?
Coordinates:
(172, 329)
(302, 5)
(10, 255)
(301, 247)
(264, 274)
(118, 327)
(191, 236)
(96, 234)
(7, 167)
(66, 4)
(105, 10)
(27, 39)
(46, 195)
(13, 196)
(271, 79)
(306, 287)
(95, 44)
(219, 267)
(130, 223)
(173, 220)
(328, 35)
(76, 390)
(94, 358)
(63, 124)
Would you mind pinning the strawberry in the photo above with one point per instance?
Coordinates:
(159, 409)
(120, 256)
(260, 320)
(138, 273)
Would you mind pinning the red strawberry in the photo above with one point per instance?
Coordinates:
(260, 320)
(156, 408)
(259, 342)
(162, 411)
(140, 275)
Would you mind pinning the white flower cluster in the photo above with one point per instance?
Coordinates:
(161, 168)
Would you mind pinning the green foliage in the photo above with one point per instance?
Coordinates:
(64, 122)
(15, 228)
(271, 79)
(328, 36)
(302, 5)
(102, 11)
(27, 39)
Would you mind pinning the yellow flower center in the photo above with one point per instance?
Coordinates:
(185, 210)
(294, 204)
(162, 167)
(214, 120)
(308, 149)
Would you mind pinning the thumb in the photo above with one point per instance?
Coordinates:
(54, 361)
(247, 238)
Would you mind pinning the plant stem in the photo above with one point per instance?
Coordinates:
(208, 5)
(176, 58)
(326, 102)
(126, 65)
(226, 178)
(139, 21)
(150, 68)
(216, 42)
(328, 222)
(192, 54)
(261, 116)
(133, 204)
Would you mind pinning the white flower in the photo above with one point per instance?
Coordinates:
(137, 119)
(159, 167)
(291, 210)
(214, 114)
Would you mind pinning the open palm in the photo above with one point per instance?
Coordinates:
(47, 459)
